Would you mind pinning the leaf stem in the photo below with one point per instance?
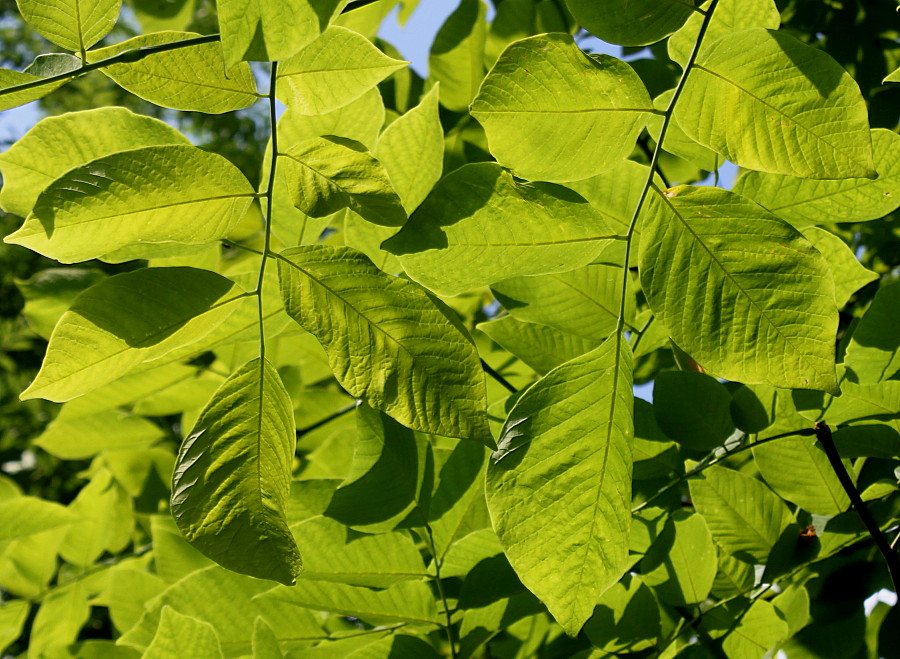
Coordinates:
(712, 459)
(437, 580)
(487, 368)
(823, 434)
(328, 419)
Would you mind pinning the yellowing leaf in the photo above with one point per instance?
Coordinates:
(553, 113)
(233, 475)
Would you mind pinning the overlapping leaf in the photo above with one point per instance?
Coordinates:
(564, 455)
(741, 291)
(631, 22)
(233, 474)
(809, 121)
(332, 71)
(127, 320)
(457, 55)
(388, 341)
(873, 353)
(157, 194)
(10, 78)
(553, 113)
(479, 226)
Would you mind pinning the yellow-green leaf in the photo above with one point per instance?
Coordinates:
(75, 25)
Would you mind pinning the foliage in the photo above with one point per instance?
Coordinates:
(357, 378)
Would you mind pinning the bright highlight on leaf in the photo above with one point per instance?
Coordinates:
(554, 113)
(75, 25)
(160, 194)
(564, 454)
(233, 474)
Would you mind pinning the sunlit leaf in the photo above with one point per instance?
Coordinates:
(157, 194)
(873, 353)
(456, 60)
(553, 113)
(564, 454)
(630, 22)
(388, 341)
(75, 25)
(729, 16)
(177, 631)
(681, 564)
(232, 477)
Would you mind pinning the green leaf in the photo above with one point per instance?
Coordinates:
(410, 601)
(75, 25)
(867, 440)
(128, 592)
(480, 226)
(740, 290)
(9, 78)
(12, 619)
(676, 142)
(332, 71)
(265, 643)
(756, 632)
(233, 474)
(106, 521)
(177, 632)
(412, 151)
(849, 274)
(873, 353)
(157, 194)
(810, 121)
(388, 341)
(192, 78)
(584, 302)
(360, 120)
(268, 31)
(24, 516)
(326, 174)
(743, 515)
(77, 436)
(50, 293)
(681, 565)
(693, 409)
(805, 202)
(541, 347)
(62, 614)
(553, 113)
(631, 22)
(729, 16)
(385, 483)
(892, 77)
(376, 561)
(799, 471)
(129, 320)
(456, 60)
(58, 144)
(626, 618)
(564, 454)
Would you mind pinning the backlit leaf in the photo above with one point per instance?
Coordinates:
(177, 632)
(744, 516)
(270, 31)
(541, 347)
(810, 121)
(456, 60)
(128, 320)
(849, 274)
(192, 78)
(693, 409)
(388, 341)
(12, 99)
(23, 516)
(232, 477)
(564, 454)
(873, 353)
(332, 71)
(741, 291)
(480, 225)
(75, 25)
(553, 113)
(681, 564)
(326, 174)
(58, 144)
(805, 202)
(157, 194)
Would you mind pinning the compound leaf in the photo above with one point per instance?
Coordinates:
(75, 25)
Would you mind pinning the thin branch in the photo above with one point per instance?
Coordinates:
(437, 580)
(711, 460)
(328, 419)
(499, 378)
(649, 154)
(823, 434)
